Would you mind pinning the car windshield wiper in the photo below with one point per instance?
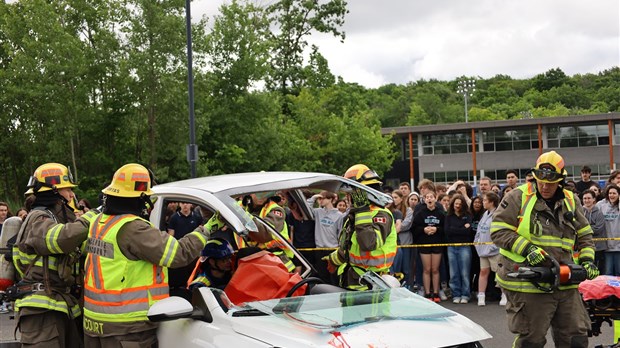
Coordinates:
(251, 312)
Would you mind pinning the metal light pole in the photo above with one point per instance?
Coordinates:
(466, 88)
(192, 148)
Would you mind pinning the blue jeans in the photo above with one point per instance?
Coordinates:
(612, 263)
(402, 263)
(459, 260)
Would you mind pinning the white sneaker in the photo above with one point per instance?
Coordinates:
(481, 300)
(442, 295)
(421, 291)
(464, 300)
(3, 309)
(503, 300)
(456, 300)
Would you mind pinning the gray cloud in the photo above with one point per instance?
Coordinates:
(397, 41)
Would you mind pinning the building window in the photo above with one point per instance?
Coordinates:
(404, 148)
(582, 136)
(445, 144)
(600, 172)
(450, 177)
(510, 140)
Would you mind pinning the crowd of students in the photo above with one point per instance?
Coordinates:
(438, 215)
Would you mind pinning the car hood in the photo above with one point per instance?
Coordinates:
(394, 318)
(442, 332)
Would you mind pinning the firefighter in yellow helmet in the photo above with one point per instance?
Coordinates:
(537, 220)
(368, 241)
(127, 264)
(46, 254)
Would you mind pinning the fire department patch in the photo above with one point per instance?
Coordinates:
(379, 220)
(278, 213)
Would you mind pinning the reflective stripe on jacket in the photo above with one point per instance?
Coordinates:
(555, 231)
(40, 240)
(116, 288)
(279, 250)
(381, 258)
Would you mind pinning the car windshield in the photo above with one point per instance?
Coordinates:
(335, 310)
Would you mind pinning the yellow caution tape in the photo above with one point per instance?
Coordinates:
(447, 244)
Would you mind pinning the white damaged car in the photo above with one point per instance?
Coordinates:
(326, 316)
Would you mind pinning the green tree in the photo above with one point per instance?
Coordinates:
(552, 78)
(294, 21)
(44, 91)
(238, 48)
(156, 61)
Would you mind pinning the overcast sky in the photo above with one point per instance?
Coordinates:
(397, 41)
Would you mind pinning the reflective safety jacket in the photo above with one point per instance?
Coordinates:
(124, 277)
(522, 219)
(373, 243)
(46, 241)
(275, 215)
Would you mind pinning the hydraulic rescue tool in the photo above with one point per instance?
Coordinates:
(556, 275)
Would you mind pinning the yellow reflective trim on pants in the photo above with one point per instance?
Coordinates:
(616, 330)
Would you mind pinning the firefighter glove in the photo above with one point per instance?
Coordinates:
(215, 223)
(359, 198)
(535, 255)
(331, 268)
(591, 269)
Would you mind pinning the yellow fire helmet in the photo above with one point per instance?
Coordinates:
(130, 180)
(549, 168)
(50, 176)
(362, 174)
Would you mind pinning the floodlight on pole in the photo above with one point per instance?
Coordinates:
(466, 87)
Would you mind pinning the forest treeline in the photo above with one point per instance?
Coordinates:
(96, 84)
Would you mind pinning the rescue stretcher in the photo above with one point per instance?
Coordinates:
(601, 297)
